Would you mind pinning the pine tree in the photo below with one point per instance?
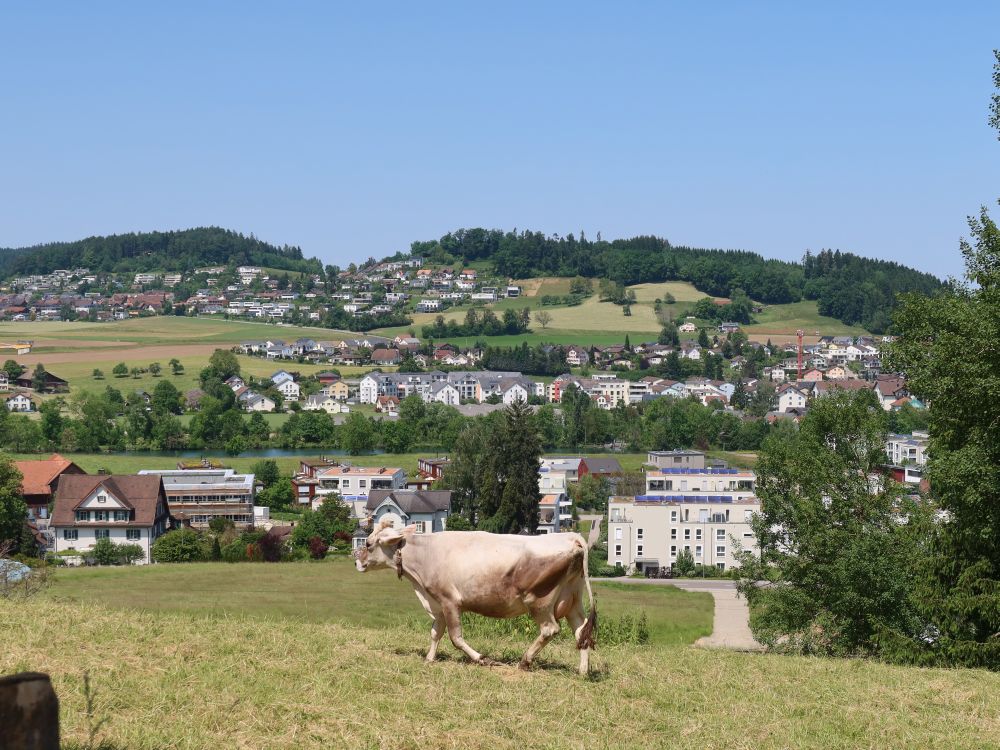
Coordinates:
(509, 483)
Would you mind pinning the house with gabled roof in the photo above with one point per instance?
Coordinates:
(125, 508)
(427, 510)
(39, 479)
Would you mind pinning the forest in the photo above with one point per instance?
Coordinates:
(179, 251)
(853, 289)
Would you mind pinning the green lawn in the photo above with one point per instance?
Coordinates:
(314, 655)
(786, 319)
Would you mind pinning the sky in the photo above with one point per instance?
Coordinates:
(351, 130)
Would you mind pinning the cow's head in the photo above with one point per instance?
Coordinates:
(380, 547)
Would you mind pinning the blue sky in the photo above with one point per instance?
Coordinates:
(352, 129)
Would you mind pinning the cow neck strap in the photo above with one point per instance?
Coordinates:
(398, 559)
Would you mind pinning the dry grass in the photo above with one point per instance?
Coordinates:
(682, 291)
(183, 681)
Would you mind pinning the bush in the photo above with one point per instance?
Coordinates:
(317, 548)
(244, 548)
(106, 552)
(219, 524)
(182, 545)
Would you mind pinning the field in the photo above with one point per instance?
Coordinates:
(784, 320)
(317, 656)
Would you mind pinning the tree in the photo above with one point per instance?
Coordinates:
(703, 341)
(509, 479)
(13, 509)
(176, 367)
(266, 472)
(155, 369)
(224, 363)
(13, 369)
(841, 549)
(357, 435)
(543, 317)
(136, 372)
(120, 370)
(52, 420)
(98, 374)
(684, 564)
(279, 495)
(39, 378)
(182, 545)
(166, 398)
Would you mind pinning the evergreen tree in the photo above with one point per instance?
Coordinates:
(510, 475)
(703, 341)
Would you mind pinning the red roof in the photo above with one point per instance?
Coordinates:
(39, 476)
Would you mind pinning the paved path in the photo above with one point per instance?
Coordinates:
(731, 623)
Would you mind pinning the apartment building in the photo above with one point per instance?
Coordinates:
(649, 532)
(199, 495)
(319, 478)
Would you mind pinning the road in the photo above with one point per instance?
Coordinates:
(731, 622)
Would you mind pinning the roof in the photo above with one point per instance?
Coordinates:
(38, 476)
(603, 465)
(139, 492)
(412, 501)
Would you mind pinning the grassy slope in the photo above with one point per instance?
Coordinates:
(346, 669)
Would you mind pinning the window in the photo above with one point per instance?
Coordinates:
(133, 535)
(720, 566)
(638, 550)
(345, 483)
(102, 533)
(121, 515)
(720, 535)
(673, 533)
(362, 483)
(638, 533)
(748, 535)
(71, 535)
(673, 550)
(697, 550)
(720, 550)
(673, 516)
(703, 515)
(100, 515)
(421, 526)
(618, 550)
(687, 533)
(618, 533)
(83, 515)
(102, 498)
(697, 533)
(687, 547)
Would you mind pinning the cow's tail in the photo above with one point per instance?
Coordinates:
(588, 633)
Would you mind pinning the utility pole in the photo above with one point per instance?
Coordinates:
(799, 333)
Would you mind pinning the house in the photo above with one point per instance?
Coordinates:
(259, 402)
(381, 357)
(317, 479)
(338, 390)
(677, 459)
(577, 356)
(838, 372)
(427, 510)
(4, 381)
(289, 389)
(235, 382)
(729, 327)
(192, 398)
(791, 396)
(432, 468)
(281, 376)
(323, 402)
(327, 378)
(125, 508)
(196, 496)
(890, 388)
(20, 402)
(387, 405)
(812, 376)
(687, 327)
(39, 479)
(52, 384)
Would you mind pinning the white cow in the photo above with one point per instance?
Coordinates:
(497, 575)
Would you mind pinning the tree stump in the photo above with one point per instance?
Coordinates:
(29, 713)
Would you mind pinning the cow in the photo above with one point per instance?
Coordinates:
(496, 575)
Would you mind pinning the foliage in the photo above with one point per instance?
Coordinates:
(181, 545)
(13, 509)
(485, 323)
(106, 552)
(266, 471)
(317, 548)
(840, 549)
(508, 483)
(947, 347)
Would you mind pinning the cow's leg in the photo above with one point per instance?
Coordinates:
(437, 631)
(577, 620)
(548, 628)
(453, 617)
(433, 608)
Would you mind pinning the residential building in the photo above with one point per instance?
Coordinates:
(19, 402)
(700, 484)
(650, 532)
(679, 459)
(791, 396)
(318, 478)
(197, 496)
(125, 508)
(427, 510)
(432, 468)
(289, 389)
(39, 479)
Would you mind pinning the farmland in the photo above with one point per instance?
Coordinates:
(313, 655)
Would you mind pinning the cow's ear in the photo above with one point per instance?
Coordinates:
(390, 536)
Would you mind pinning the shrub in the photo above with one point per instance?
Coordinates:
(182, 545)
(106, 552)
(271, 546)
(317, 548)
(219, 524)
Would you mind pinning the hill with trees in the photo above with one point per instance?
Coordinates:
(178, 251)
(853, 289)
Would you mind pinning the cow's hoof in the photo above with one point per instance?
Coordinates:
(524, 666)
(487, 662)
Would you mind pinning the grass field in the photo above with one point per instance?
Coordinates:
(786, 319)
(317, 656)
(129, 463)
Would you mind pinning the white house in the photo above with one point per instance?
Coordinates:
(19, 402)
(289, 389)
(259, 402)
(125, 508)
(791, 397)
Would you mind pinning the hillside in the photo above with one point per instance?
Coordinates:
(848, 287)
(181, 250)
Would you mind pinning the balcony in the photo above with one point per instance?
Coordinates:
(615, 518)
